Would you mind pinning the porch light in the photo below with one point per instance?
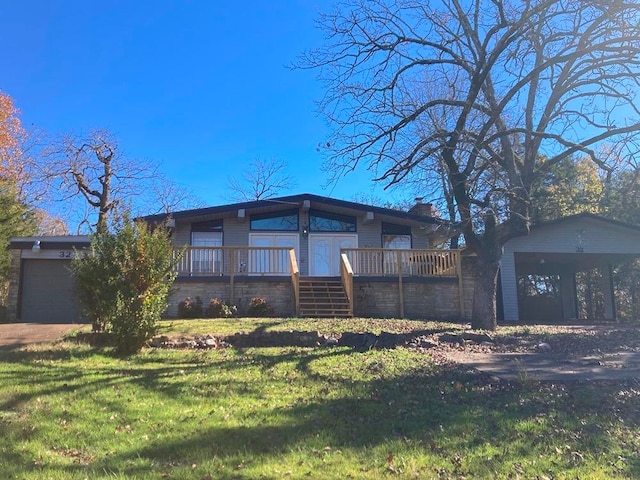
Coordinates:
(305, 231)
(36, 247)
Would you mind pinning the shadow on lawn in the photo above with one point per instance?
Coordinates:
(437, 409)
(434, 414)
(56, 376)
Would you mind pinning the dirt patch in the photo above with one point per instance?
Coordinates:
(551, 353)
(15, 335)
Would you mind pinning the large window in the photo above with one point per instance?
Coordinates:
(330, 222)
(206, 258)
(396, 236)
(278, 221)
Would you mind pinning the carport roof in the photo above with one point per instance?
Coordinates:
(585, 215)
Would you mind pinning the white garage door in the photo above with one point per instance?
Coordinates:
(48, 294)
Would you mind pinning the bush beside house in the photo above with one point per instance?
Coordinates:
(123, 282)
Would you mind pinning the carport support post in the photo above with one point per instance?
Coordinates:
(606, 285)
(569, 294)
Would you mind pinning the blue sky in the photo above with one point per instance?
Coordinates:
(201, 87)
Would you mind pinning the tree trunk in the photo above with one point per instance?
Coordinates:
(484, 314)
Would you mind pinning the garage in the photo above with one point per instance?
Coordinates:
(44, 285)
(48, 294)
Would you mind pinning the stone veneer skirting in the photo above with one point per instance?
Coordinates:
(278, 291)
(428, 298)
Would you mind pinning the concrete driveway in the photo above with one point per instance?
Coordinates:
(14, 335)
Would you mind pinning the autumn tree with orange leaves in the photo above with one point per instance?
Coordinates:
(16, 218)
(12, 137)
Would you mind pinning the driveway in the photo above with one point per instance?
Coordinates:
(608, 351)
(549, 367)
(14, 335)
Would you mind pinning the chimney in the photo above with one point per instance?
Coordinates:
(423, 209)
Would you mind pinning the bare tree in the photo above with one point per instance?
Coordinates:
(166, 196)
(94, 169)
(261, 179)
(49, 224)
(514, 81)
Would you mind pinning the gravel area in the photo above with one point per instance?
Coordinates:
(549, 352)
(569, 340)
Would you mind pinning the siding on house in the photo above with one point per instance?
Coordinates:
(182, 234)
(369, 234)
(509, 286)
(235, 233)
(15, 286)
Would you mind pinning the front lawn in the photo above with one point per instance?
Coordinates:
(71, 411)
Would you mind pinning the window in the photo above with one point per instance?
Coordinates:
(396, 236)
(207, 236)
(212, 226)
(330, 222)
(279, 221)
(206, 239)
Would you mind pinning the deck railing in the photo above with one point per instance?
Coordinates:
(410, 263)
(262, 261)
(295, 280)
(346, 272)
(222, 261)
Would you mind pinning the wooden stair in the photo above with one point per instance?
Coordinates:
(323, 297)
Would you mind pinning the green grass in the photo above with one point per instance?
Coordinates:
(224, 326)
(70, 411)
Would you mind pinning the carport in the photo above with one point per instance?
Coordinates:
(538, 271)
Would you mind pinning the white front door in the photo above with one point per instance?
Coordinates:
(324, 252)
(269, 261)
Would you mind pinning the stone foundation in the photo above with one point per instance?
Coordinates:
(277, 291)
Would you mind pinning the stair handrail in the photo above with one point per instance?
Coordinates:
(346, 273)
(295, 280)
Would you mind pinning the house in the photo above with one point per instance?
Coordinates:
(310, 255)
(290, 251)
